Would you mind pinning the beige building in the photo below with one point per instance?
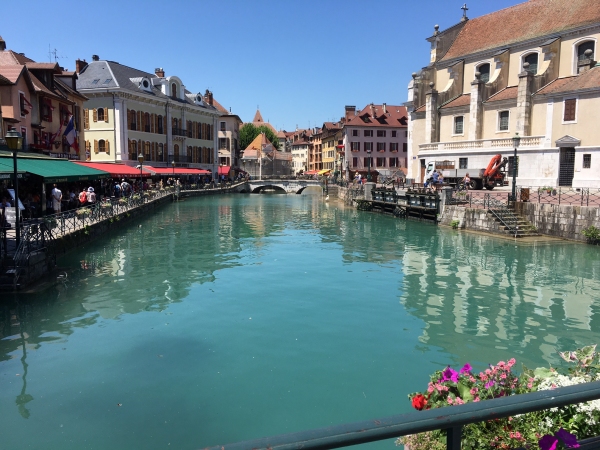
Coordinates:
(528, 69)
(331, 138)
(131, 112)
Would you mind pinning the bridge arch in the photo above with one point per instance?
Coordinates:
(268, 187)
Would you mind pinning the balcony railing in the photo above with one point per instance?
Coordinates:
(507, 143)
(179, 132)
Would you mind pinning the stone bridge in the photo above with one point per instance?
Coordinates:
(289, 186)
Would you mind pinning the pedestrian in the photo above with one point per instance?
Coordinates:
(83, 197)
(91, 196)
(466, 181)
(56, 199)
(117, 190)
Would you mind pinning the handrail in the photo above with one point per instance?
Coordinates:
(451, 418)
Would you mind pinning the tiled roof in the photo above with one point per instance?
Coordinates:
(12, 72)
(463, 100)
(219, 107)
(4, 81)
(257, 117)
(43, 66)
(393, 117)
(587, 80)
(259, 141)
(529, 20)
(9, 57)
(40, 88)
(509, 93)
(420, 108)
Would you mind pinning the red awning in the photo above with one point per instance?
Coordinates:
(311, 172)
(224, 170)
(115, 170)
(176, 171)
(339, 146)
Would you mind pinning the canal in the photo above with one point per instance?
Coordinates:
(220, 319)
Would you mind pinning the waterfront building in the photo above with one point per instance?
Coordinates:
(331, 133)
(300, 156)
(529, 69)
(228, 136)
(130, 111)
(315, 161)
(375, 139)
(262, 159)
(38, 100)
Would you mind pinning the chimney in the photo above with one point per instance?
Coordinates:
(160, 73)
(210, 98)
(350, 112)
(2, 44)
(95, 58)
(372, 110)
(384, 108)
(80, 65)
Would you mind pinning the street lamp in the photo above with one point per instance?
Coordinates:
(516, 141)
(14, 140)
(369, 161)
(141, 160)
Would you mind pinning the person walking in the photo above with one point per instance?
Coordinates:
(467, 181)
(91, 196)
(83, 197)
(56, 199)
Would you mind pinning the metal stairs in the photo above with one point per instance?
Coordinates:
(511, 223)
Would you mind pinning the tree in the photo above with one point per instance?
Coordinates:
(249, 132)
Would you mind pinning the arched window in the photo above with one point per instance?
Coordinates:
(532, 59)
(484, 70)
(173, 90)
(101, 114)
(101, 143)
(581, 48)
(133, 119)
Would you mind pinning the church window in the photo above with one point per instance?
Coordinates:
(532, 59)
(484, 70)
(459, 125)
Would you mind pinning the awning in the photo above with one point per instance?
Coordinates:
(115, 170)
(311, 172)
(224, 170)
(340, 146)
(175, 171)
(52, 170)
(324, 171)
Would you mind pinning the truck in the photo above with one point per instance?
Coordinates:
(493, 175)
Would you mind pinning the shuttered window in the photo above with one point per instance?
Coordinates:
(86, 119)
(570, 109)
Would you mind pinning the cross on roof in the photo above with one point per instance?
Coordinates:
(465, 9)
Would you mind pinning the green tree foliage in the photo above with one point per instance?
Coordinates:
(249, 132)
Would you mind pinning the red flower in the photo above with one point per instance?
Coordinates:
(419, 402)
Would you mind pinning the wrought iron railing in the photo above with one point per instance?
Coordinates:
(450, 419)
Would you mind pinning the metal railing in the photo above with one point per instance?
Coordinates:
(559, 195)
(450, 419)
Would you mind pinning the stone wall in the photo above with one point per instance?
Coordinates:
(470, 219)
(560, 220)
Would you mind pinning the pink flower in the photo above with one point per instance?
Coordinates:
(512, 362)
(449, 400)
(473, 391)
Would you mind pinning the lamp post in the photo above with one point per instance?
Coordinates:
(369, 162)
(516, 141)
(14, 140)
(141, 160)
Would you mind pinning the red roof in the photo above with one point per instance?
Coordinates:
(115, 170)
(175, 171)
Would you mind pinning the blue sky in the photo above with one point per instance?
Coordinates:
(301, 62)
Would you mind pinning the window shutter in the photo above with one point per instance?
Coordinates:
(570, 105)
(139, 121)
(107, 146)
(95, 115)
(106, 115)
(86, 119)
(140, 149)
(95, 146)
(152, 123)
(128, 119)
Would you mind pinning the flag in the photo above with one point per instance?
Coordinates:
(71, 135)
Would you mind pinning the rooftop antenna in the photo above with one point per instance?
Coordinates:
(54, 53)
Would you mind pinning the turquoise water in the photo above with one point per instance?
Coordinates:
(229, 318)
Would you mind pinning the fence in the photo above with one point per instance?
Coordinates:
(451, 419)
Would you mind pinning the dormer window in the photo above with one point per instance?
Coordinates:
(174, 90)
(145, 84)
(484, 70)
(581, 48)
(532, 59)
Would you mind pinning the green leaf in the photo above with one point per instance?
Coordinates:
(465, 392)
(543, 372)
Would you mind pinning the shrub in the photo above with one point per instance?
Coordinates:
(592, 234)
(454, 224)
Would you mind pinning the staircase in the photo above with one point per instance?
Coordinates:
(512, 224)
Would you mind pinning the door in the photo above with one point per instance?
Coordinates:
(566, 167)
(423, 170)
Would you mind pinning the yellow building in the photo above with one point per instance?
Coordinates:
(131, 112)
(528, 69)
